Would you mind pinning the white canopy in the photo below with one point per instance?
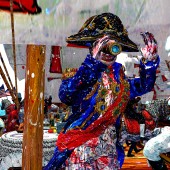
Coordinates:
(62, 18)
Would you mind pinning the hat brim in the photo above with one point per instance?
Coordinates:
(83, 39)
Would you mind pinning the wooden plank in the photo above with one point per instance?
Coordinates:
(165, 157)
(34, 108)
(138, 162)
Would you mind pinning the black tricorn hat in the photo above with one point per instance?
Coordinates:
(104, 24)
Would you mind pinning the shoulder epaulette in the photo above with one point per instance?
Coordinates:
(69, 72)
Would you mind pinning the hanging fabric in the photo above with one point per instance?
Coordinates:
(55, 65)
(25, 6)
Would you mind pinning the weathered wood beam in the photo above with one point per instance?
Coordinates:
(34, 108)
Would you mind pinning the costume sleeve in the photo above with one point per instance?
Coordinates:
(74, 89)
(146, 81)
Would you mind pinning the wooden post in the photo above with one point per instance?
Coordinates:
(34, 108)
(14, 98)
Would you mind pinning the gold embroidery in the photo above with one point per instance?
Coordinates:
(119, 91)
(101, 107)
(83, 124)
(116, 89)
(92, 91)
(68, 72)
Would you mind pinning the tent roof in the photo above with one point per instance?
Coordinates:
(62, 18)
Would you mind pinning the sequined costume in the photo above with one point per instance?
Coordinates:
(98, 93)
(94, 106)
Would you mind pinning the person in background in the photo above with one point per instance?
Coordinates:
(2, 111)
(21, 117)
(150, 123)
(98, 93)
(157, 145)
(12, 121)
(168, 116)
(46, 106)
(2, 126)
(50, 101)
(5, 104)
(133, 119)
(19, 97)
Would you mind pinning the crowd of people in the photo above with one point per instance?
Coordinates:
(138, 121)
(135, 114)
(13, 118)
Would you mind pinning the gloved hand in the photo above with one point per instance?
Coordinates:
(98, 45)
(100, 54)
(150, 50)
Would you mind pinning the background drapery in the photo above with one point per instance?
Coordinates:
(61, 18)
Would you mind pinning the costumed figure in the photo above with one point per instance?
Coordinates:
(157, 145)
(98, 93)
